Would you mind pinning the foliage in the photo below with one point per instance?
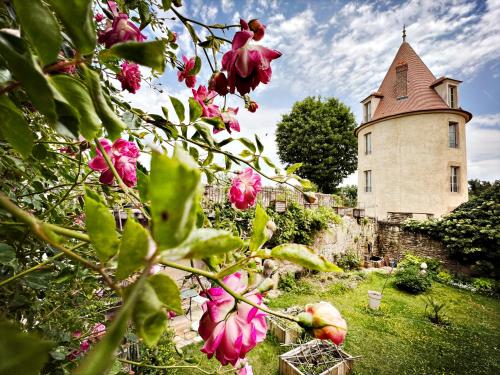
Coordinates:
(432, 265)
(434, 311)
(300, 225)
(412, 279)
(471, 233)
(349, 261)
(348, 195)
(320, 135)
(444, 277)
(478, 187)
(288, 282)
(485, 285)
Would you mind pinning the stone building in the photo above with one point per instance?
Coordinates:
(411, 143)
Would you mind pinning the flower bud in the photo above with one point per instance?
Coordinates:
(258, 29)
(325, 322)
(218, 83)
(252, 106)
(172, 37)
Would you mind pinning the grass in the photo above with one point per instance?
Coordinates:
(398, 339)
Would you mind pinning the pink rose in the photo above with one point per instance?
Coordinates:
(206, 99)
(247, 64)
(185, 73)
(244, 189)
(97, 332)
(130, 77)
(230, 120)
(120, 30)
(123, 155)
(326, 322)
(231, 329)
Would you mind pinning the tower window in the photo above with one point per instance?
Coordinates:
(368, 181)
(453, 135)
(368, 143)
(368, 111)
(454, 174)
(452, 96)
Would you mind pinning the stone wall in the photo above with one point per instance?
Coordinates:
(393, 242)
(357, 235)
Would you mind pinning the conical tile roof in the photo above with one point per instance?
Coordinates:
(420, 95)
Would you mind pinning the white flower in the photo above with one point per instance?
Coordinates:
(423, 266)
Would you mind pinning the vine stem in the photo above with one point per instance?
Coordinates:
(237, 296)
(45, 231)
(119, 180)
(163, 367)
(37, 266)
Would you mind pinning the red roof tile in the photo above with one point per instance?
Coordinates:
(420, 96)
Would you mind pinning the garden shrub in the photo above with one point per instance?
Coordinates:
(444, 277)
(484, 285)
(349, 261)
(433, 265)
(471, 233)
(412, 279)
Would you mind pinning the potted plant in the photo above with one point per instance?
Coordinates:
(316, 357)
(285, 331)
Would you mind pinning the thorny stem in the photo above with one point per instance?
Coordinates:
(46, 232)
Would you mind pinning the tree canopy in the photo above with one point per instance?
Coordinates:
(320, 134)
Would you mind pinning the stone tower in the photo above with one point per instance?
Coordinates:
(411, 143)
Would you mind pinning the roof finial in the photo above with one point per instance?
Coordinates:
(404, 33)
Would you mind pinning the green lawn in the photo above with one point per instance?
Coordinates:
(398, 339)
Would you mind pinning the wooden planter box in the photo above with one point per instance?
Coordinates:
(316, 355)
(284, 333)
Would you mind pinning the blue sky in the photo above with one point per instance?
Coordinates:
(343, 49)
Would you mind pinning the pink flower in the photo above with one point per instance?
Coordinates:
(231, 329)
(252, 106)
(99, 17)
(123, 155)
(97, 332)
(120, 30)
(326, 322)
(247, 64)
(244, 189)
(258, 29)
(229, 118)
(84, 346)
(218, 83)
(243, 367)
(206, 98)
(130, 77)
(184, 74)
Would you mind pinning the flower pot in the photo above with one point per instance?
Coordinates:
(316, 357)
(374, 299)
(285, 332)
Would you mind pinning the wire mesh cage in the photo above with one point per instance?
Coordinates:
(316, 357)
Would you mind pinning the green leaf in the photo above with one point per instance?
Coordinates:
(144, 53)
(268, 162)
(167, 292)
(14, 127)
(166, 4)
(260, 146)
(146, 317)
(76, 93)
(303, 256)
(248, 143)
(292, 168)
(145, 14)
(205, 133)
(101, 358)
(216, 122)
(195, 110)
(192, 32)
(134, 248)
(203, 243)
(7, 254)
(21, 353)
(101, 227)
(110, 120)
(196, 68)
(179, 108)
(260, 234)
(20, 62)
(77, 18)
(173, 190)
(41, 28)
(142, 185)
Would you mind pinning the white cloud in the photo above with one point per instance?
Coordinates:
(226, 5)
(483, 143)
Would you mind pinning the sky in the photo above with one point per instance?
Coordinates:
(343, 49)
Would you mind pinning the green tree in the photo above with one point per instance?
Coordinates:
(477, 187)
(320, 134)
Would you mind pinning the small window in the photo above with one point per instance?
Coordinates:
(368, 181)
(452, 95)
(453, 135)
(368, 111)
(454, 174)
(368, 143)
